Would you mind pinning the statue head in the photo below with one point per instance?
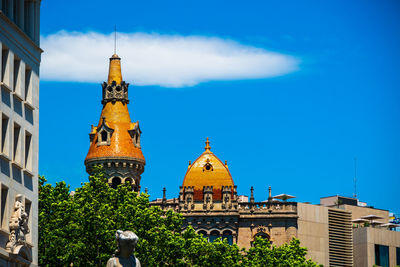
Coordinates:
(18, 197)
(126, 241)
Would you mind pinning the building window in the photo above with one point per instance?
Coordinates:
(135, 135)
(16, 173)
(3, 5)
(17, 105)
(228, 236)
(17, 76)
(115, 182)
(5, 135)
(382, 255)
(5, 96)
(4, 59)
(28, 85)
(15, 10)
(5, 167)
(203, 233)
(3, 198)
(104, 136)
(28, 151)
(28, 114)
(28, 183)
(136, 140)
(208, 167)
(262, 235)
(17, 144)
(398, 256)
(214, 235)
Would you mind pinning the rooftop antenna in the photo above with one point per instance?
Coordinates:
(115, 39)
(355, 178)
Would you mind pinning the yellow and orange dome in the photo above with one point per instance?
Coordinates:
(208, 170)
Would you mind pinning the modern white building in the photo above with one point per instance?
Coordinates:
(19, 111)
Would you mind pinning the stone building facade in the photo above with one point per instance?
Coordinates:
(208, 199)
(115, 141)
(19, 111)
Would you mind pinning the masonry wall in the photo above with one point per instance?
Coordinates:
(19, 127)
(313, 231)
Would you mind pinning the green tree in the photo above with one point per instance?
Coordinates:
(263, 254)
(80, 228)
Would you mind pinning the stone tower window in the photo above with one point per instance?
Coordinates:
(135, 135)
(104, 134)
(115, 182)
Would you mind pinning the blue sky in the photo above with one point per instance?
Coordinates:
(336, 98)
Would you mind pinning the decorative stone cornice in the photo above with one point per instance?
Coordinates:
(115, 92)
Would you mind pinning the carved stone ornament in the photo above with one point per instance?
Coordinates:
(123, 256)
(113, 92)
(18, 226)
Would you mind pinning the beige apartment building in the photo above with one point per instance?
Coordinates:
(19, 111)
(341, 232)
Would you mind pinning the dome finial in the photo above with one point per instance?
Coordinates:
(207, 148)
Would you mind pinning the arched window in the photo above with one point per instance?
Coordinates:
(228, 236)
(214, 235)
(128, 181)
(104, 136)
(260, 235)
(203, 233)
(115, 182)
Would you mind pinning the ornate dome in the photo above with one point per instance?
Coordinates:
(208, 170)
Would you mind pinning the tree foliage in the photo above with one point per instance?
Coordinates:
(80, 228)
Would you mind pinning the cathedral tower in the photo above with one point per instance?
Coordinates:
(115, 141)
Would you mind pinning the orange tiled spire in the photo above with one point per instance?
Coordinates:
(115, 137)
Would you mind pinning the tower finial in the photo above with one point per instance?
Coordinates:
(207, 148)
(269, 194)
(115, 39)
(164, 198)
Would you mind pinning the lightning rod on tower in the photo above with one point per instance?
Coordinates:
(355, 178)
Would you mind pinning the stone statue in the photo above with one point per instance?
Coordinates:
(18, 225)
(123, 256)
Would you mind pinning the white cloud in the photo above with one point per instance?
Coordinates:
(158, 59)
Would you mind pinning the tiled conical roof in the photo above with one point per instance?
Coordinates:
(115, 117)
